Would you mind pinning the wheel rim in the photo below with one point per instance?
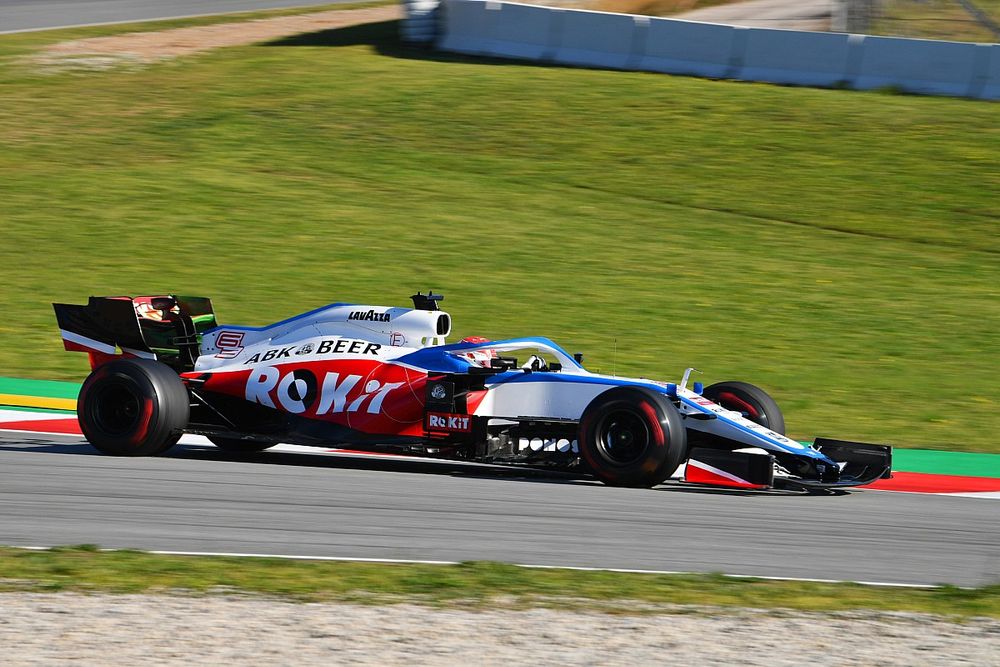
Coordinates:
(623, 437)
(116, 409)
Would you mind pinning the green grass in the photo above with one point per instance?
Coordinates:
(935, 19)
(838, 248)
(85, 569)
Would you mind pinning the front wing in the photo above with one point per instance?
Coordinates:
(859, 463)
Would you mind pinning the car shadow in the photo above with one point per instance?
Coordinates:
(48, 444)
(383, 38)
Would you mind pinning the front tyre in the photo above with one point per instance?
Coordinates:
(631, 436)
(133, 407)
(755, 403)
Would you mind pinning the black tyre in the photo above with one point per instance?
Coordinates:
(755, 403)
(133, 407)
(237, 446)
(630, 436)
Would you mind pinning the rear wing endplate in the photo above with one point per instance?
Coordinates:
(166, 328)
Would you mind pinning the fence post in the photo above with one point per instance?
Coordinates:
(859, 15)
(419, 24)
(838, 21)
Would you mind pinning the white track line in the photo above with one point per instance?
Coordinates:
(989, 495)
(984, 495)
(202, 440)
(25, 415)
(407, 561)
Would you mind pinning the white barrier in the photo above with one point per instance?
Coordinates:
(798, 58)
(522, 31)
(594, 39)
(917, 65)
(419, 23)
(990, 87)
(686, 47)
(622, 41)
(468, 28)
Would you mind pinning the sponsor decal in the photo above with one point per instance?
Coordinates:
(368, 316)
(397, 339)
(548, 445)
(230, 344)
(699, 472)
(442, 393)
(445, 421)
(332, 346)
(299, 391)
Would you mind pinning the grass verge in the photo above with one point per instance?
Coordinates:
(936, 19)
(837, 248)
(86, 569)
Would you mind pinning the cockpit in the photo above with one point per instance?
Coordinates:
(532, 355)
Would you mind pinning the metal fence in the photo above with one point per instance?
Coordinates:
(959, 20)
(951, 20)
(805, 58)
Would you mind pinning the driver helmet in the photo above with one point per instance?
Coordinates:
(480, 357)
(158, 308)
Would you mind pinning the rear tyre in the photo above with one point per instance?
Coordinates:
(237, 446)
(755, 403)
(133, 407)
(630, 436)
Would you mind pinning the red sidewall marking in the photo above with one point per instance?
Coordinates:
(918, 482)
(654, 422)
(728, 397)
(147, 413)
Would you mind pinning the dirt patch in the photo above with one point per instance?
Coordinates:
(654, 7)
(148, 47)
(70, 629)
(783, 14)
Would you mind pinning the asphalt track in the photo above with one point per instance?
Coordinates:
(58, 490)
(26, 15)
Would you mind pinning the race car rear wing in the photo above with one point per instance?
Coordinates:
(166, 328)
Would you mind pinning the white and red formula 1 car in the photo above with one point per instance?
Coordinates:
(383, 379)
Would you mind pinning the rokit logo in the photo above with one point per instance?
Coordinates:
(298, 391)
(338, 346)
(444, 421)
(368, 316)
